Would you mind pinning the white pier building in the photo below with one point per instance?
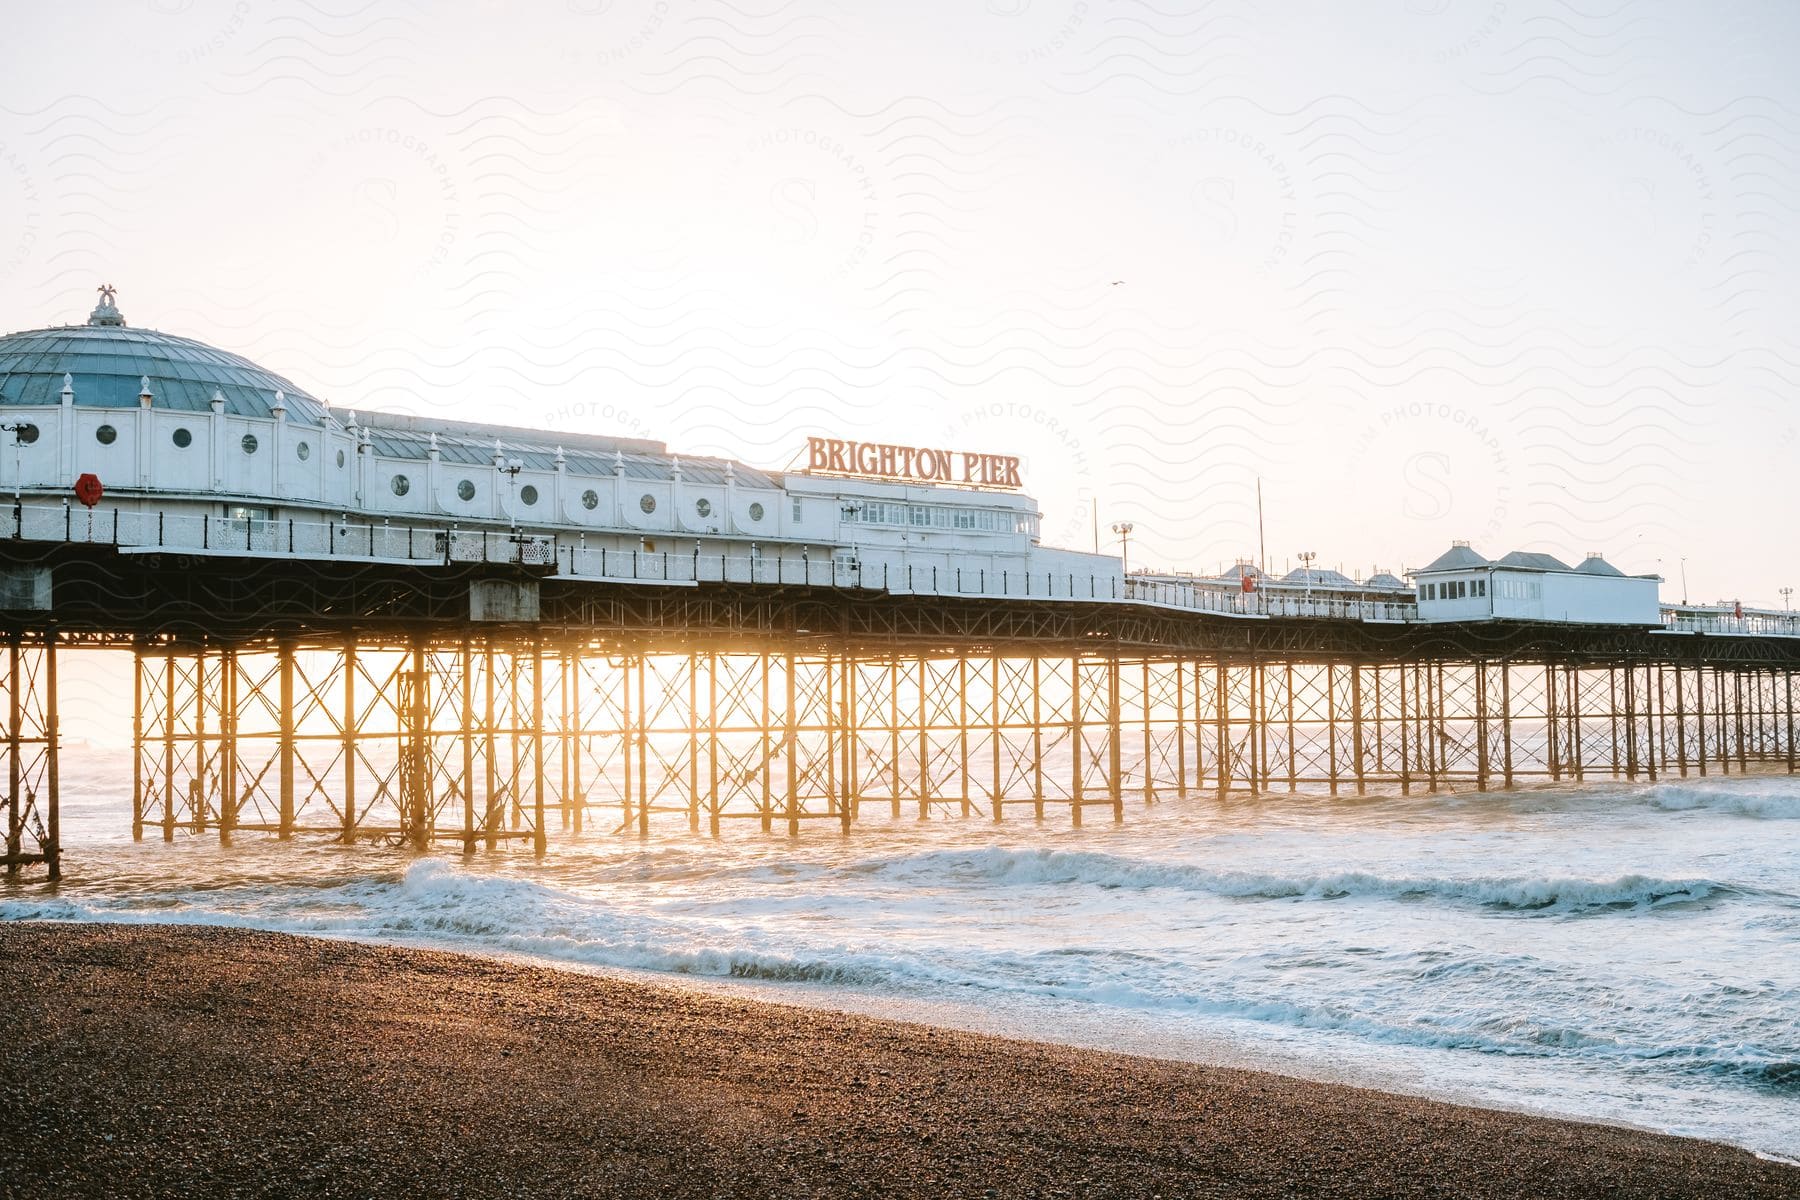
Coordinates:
(200, 450)
(151, 443)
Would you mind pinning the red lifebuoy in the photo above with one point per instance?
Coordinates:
(88, 489)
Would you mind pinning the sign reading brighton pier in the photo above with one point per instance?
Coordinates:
(911, 464)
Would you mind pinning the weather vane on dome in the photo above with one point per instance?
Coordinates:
(105, 312)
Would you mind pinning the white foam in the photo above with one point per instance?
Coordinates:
(1762, 799)
(1009, 865)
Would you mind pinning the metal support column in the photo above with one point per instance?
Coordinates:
(347, 731)
(539, 835)
(286, 750)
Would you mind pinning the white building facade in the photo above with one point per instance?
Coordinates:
(1461, 585)
(199, 449)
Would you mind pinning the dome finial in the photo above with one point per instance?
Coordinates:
(105, 312)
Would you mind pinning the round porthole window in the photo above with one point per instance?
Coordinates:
(465, 490)
(182, 438)
(106, 435)
(647, 502)
(756, 512)
(340, 458)
(26, 434)
(590, 499)
(249, 443)
(303, 451)
(401, 485)
(528, 494)
(703, 507)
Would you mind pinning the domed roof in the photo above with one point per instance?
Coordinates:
(107, 363)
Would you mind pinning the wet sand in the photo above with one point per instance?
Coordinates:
(178, 1061)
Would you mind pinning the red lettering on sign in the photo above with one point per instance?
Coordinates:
(912, 463)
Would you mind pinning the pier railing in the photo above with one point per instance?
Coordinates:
(1731, 619)
(571, 558)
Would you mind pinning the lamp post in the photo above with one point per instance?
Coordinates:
(1787, 598)
(14, 428)
(1306, 557)
(1123, 529)
(511, 468)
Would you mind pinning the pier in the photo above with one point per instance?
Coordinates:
(359, 700)
(363, 626)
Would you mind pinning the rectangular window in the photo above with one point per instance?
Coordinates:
(796, 508)
(1481, 587)
(920, 515)
(1430, 592)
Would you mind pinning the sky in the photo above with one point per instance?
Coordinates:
(1520, 274)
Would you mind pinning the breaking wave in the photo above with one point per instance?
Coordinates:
(1758, 799)
(1006, 865)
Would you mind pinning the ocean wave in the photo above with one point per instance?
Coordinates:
(1763, 800)
(1005, 865)
(435, 903)
(1469, 1000)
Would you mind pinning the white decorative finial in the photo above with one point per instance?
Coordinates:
(730, 471)
(431, 447)
(68, 392)
(675, 467)
(561, 462)
(499, 454)
(618, 462)
(350, 420)
(218, 400)
(279, 408)
(106, 312)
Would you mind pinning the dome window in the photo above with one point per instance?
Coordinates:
(465, 490)
(106, 435)
(303, 451)
(249, 443)
(647, 502)
(24, 435)
(703, 507)
(590, 499)
(183, 438)
(528, 494)
(756, 512)
(401, 485)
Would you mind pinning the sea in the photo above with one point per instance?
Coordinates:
(1623, 952)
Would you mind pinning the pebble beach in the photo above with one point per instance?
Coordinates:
(174, 1060)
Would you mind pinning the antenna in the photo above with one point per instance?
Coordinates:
(1262, 544)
